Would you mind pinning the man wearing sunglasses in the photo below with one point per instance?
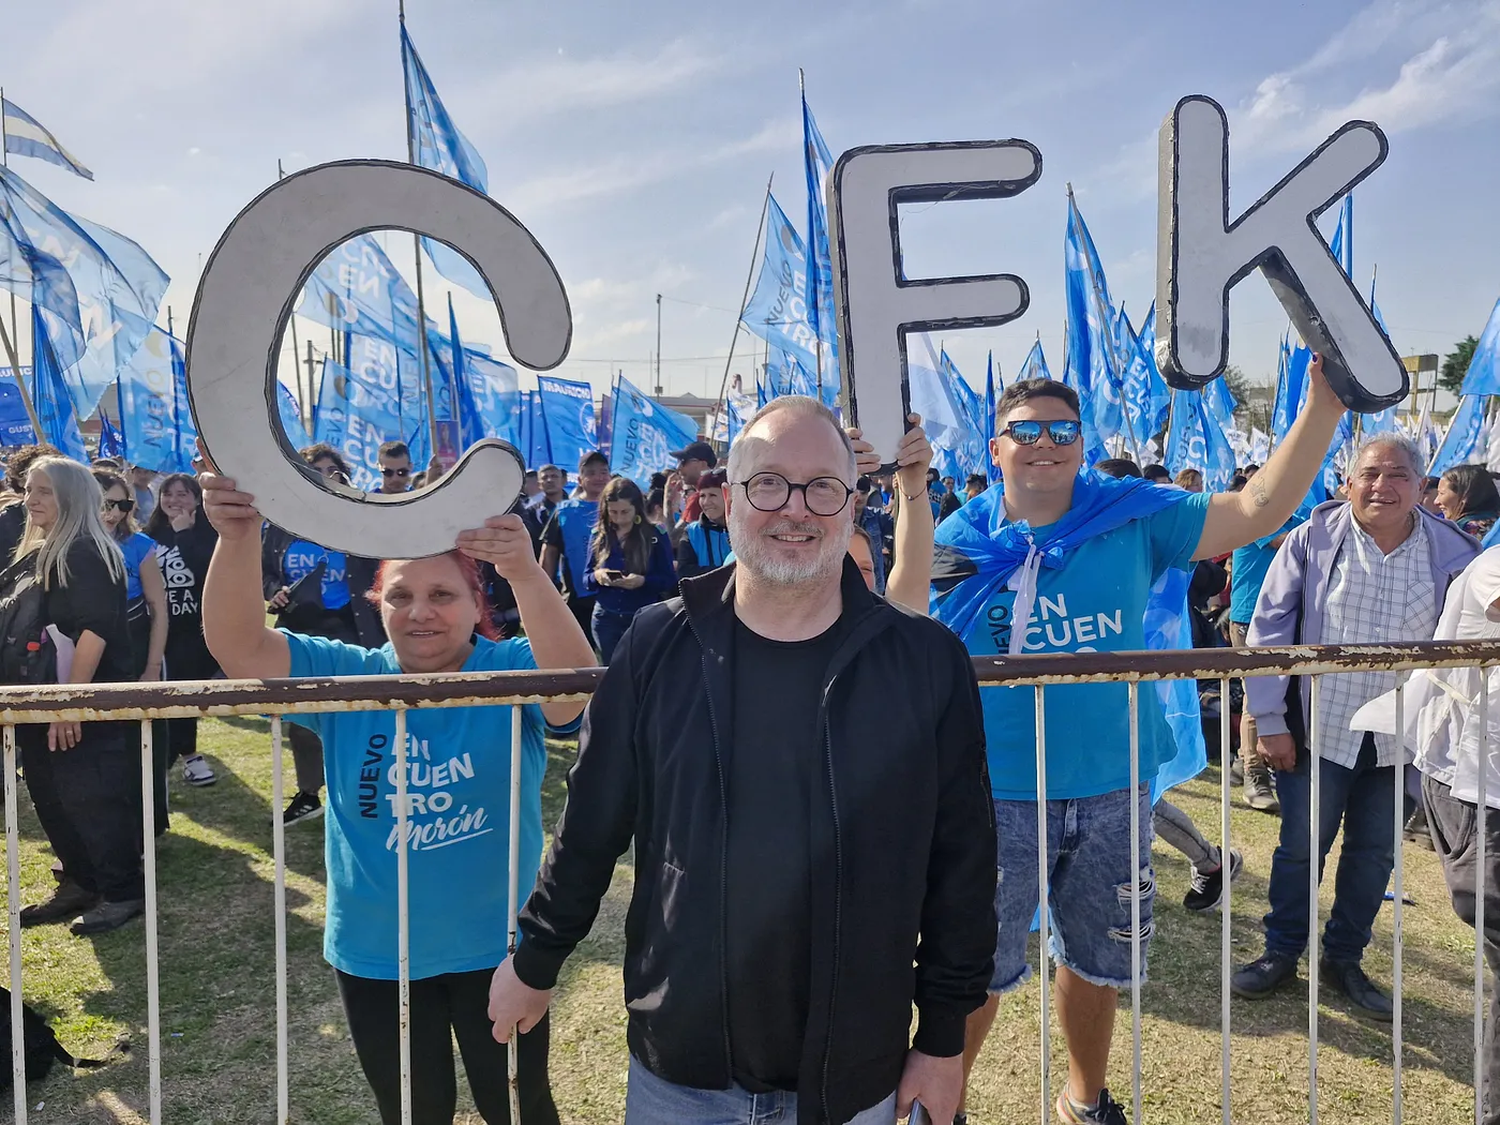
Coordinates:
(1061, 560)
(807, 867)
(395, 467)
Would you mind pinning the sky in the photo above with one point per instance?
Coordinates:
(635, 141)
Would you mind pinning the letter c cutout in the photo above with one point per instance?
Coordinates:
(246, 297)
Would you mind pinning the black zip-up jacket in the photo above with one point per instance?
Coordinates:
(903, 839)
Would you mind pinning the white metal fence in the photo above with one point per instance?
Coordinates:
(229, 698)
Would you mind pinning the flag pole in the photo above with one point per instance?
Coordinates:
(14, 331)
(416, 243)
(812, 250)
(765, 206)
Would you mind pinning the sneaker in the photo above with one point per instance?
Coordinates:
(1347, 977)
(1262, 977)
(1259, 793)
(68, 901)
(107, 916)
(1207, 891)
(1106, 1111)
(304, 806)
(1417, 830)
(197, 771)
(1237, 770)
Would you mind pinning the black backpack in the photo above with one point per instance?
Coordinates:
(27, 655)
(42, 1047)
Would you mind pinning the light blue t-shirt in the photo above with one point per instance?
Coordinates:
(575, 521)
(1250, 566)
(1095, 602)
(459, 795)
(135, 549)
(302, 558)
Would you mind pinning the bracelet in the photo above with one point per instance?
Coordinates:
(911, 499)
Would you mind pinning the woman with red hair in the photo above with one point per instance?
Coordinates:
(458, 791)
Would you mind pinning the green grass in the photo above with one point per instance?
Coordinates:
(218, 990)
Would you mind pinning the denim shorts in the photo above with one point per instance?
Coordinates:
(1089, 886)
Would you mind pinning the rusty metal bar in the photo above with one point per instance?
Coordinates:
(278, 853)
(13, 892)
(1314, 773)
(1398, 890)
(219, 698)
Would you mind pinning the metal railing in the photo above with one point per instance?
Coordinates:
(224, 698)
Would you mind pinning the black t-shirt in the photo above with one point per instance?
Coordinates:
(774, 771)
(93, 600)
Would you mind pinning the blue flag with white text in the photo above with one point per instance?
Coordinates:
(15, 423)
(1092, 367)
(778, 310)
(568, 410)
(644, 433)
(355, 415)
(1461, 441)
(1035, 364)
(54, 407)
(291, 417)
(1483, 375)
(818, 163)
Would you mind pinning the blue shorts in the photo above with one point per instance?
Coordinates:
(1089, 883)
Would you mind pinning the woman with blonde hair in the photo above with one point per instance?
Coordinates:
(83, 781)
(1190, 479)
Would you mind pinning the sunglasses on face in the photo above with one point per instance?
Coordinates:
(395, 472)
(1063, 432)
(123, 506)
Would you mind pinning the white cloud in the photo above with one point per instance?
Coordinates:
(562, 84)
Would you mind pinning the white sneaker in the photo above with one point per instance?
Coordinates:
(196, 771)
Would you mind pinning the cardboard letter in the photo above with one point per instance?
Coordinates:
(876, 303)
(1202, 255)
(246, 297)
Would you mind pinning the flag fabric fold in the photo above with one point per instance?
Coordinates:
(643, 433)
(26, 136)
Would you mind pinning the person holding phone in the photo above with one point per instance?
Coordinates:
(630, 564)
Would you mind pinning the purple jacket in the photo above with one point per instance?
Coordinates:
(1290, 608)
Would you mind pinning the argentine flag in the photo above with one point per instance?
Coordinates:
(26, 136)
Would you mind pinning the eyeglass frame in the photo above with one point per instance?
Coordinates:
(792, 487)
(1043, 426)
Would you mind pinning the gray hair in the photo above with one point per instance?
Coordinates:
(797, 404)
(1400, 441)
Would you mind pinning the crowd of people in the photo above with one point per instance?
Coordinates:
(832, 822)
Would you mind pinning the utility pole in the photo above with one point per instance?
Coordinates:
(658, 346)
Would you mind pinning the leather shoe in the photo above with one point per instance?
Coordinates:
(107, 916)
(1350, 979)
(68, 901)
(1264, 976)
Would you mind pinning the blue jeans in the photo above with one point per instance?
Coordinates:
(655, 1101)
(608, 628)
(1089, 886)
(1363, 799)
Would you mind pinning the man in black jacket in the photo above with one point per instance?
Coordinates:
(806, 868)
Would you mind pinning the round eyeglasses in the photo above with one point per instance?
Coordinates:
(769, 492)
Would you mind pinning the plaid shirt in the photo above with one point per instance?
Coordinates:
(1373, 598)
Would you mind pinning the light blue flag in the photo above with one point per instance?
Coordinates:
(818, 163)
(971, 453)
(568, 411)
(291, 417)
(54, 407)
(357, 289)
(355, 415)
(540, 451)
(991, 470)
(26, 136)
(1483, 375)
(111, 444)
(1383, 422)
(489, 392)
(945, 417)
(1461, 441)
(15, 423)
(1035, 365)
(644, 433)
(117, 285)
(42, 280)
(1196, 441)
(438, 144)
(379, 363)
(1144, 395)
(1092, 367)
(778, 310)
(156, 424)
(1161, 394)
(1291, 392)
(1343, 237)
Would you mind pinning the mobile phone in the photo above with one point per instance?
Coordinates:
(919, 1116)
(615, 575)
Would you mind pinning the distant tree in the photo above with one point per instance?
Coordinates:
(1456, 364)
(1255, 399)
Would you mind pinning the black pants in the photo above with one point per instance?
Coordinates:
(444, 1007)
(188, 658)
(88, 800)
(1455, 830)
(583, 613)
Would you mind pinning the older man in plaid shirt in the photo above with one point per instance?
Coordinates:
(1374, 569)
